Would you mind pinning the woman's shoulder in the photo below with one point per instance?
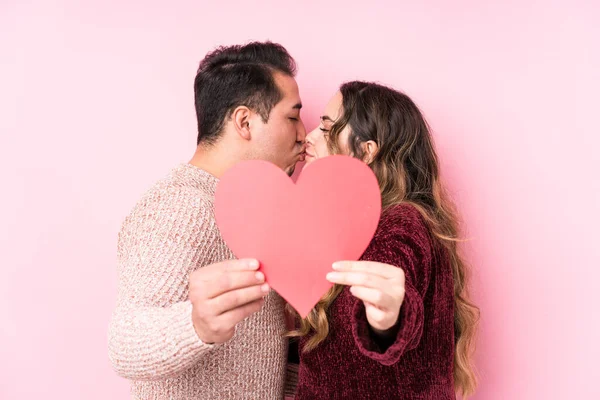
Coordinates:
(403, 218)
(401, 228)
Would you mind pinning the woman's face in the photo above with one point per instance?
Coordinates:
(316, 141)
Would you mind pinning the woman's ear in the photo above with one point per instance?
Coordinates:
(241, 121)
(370, 150)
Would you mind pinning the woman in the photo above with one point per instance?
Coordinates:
(398, 324)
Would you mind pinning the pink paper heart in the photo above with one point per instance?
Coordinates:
(298, 230)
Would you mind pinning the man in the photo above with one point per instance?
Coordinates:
(191, 321)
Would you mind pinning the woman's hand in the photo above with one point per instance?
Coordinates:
(380, 287)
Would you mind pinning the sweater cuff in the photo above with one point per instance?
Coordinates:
(155, 343)
(183, 328)
(410, 323)
(291, 379)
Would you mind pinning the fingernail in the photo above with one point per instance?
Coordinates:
(331, 276)
(253, 263)
(337, 265)
(265, 288)
(260, 276)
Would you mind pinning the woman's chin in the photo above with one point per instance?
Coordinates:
(309, 160)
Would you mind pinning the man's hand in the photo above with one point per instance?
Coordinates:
(224, 294)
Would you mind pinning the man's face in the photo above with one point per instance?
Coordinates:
(281, 139)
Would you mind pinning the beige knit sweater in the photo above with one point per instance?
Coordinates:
(152, 341)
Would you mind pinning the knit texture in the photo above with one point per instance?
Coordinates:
(170, 233)
(353, 364)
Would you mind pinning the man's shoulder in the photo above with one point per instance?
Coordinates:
(174, 207)
(174, 193)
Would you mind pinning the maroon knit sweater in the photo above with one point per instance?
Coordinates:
(352, 363)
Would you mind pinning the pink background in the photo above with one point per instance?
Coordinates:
(96, 104)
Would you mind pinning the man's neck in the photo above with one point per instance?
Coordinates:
(214, 159)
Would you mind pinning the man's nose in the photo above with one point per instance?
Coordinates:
(301, 134)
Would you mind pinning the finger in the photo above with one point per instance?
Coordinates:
(375, 297)
(358, 279)
(375, 315)
(233, 280)
(210, 272)
(244, 264)
(235, 316)
(236, 298)
(384, 270)
(378, 319)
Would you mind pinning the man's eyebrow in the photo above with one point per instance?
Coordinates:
(297, 106)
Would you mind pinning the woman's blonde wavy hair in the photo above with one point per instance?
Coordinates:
(407, 168)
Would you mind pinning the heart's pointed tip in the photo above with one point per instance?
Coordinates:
(303, 311)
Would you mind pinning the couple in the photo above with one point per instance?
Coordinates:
(192, 322)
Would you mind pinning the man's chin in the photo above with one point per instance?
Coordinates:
(294, 170)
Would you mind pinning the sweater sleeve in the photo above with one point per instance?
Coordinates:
(151, 336)
(402, 240)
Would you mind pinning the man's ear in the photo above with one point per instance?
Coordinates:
(241, 121)
(370, 150)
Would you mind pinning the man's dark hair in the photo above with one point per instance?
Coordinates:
(232, 76)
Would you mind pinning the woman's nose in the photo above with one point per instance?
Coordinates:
(310, 137)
